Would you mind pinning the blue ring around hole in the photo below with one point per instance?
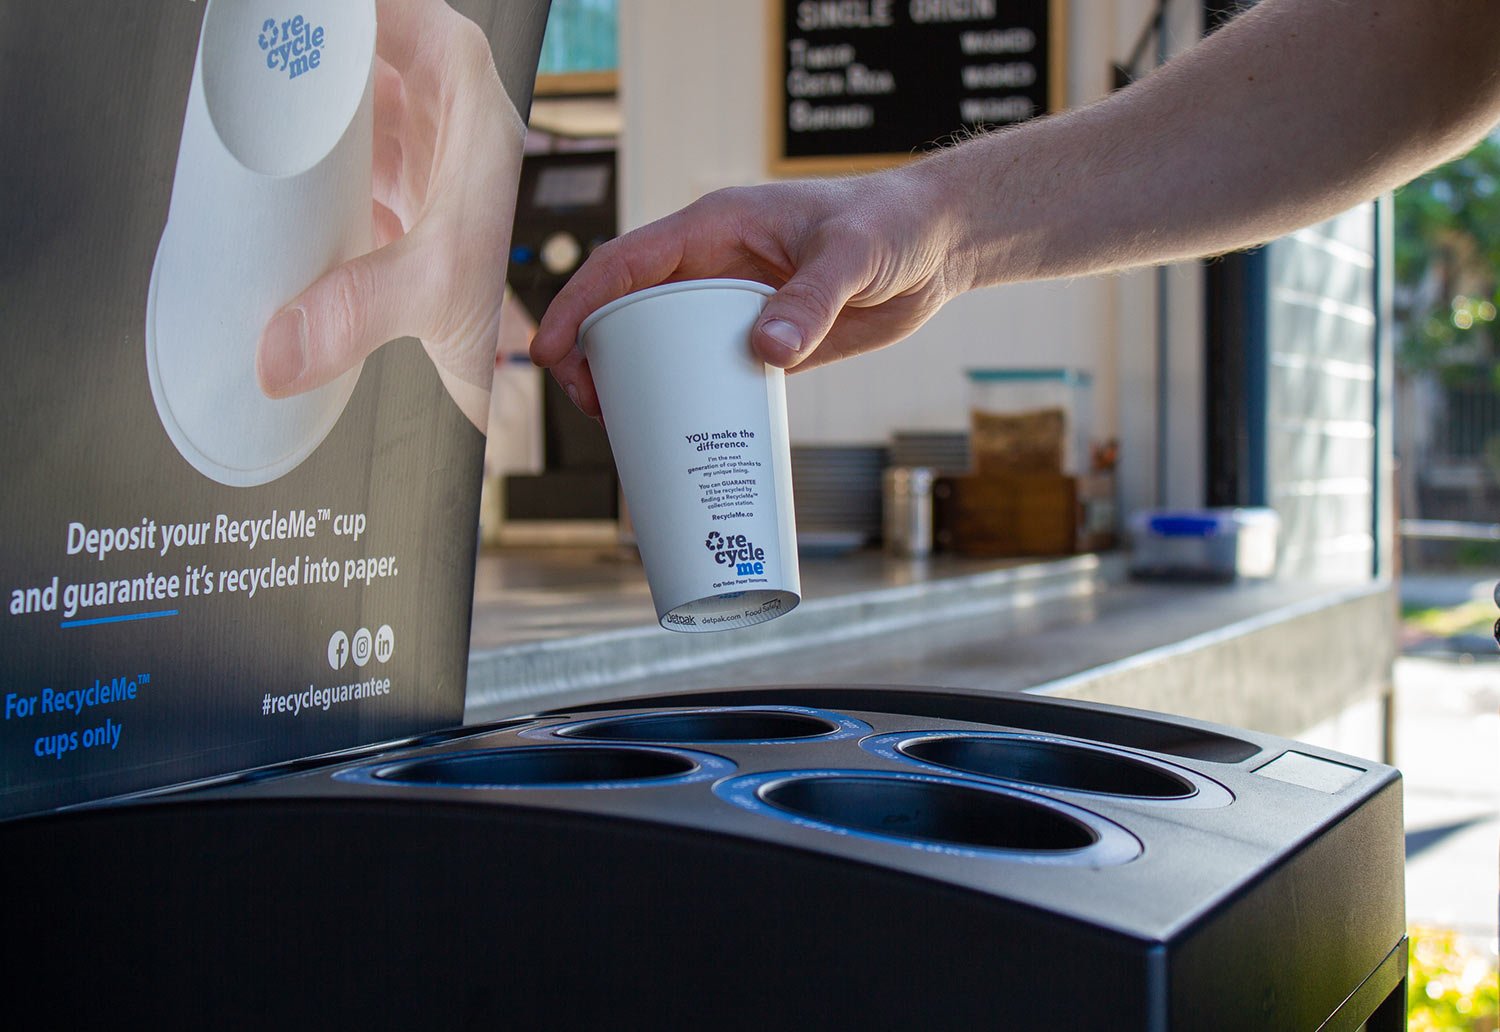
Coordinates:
(706, 767)
(847, 727)
(1113, 846)
(1208, 793)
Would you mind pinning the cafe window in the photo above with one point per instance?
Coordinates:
(580, 51)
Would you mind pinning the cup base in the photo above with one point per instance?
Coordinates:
(262, 450)
(729, 610)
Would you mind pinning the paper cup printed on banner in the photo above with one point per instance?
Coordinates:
(271, 190)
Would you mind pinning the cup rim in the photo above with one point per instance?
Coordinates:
(669, 288)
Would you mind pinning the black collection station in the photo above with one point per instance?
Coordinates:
(762, 858)
(800, 857)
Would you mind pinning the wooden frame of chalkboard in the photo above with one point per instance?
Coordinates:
(578, 84)
(862, 84)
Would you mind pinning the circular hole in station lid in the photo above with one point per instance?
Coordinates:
(541, 765)
(930, 811)
(1052, 764)
(738, 725)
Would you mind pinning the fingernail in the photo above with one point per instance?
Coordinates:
(283, 350)
(572, 393)
(783, 333)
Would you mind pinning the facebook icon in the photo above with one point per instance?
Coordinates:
(338, 650)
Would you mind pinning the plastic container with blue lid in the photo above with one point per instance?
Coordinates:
(1204, 544)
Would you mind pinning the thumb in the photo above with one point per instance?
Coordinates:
(334, 324)
(795, 321)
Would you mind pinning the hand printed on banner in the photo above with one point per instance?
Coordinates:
(448, 145)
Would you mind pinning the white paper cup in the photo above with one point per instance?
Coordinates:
(271, 190)
(698, 428)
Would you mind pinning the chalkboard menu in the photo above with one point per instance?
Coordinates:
(865, 83)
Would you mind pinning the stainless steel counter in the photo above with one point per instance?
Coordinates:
(558, 627)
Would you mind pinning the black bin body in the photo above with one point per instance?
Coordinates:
(814, 857)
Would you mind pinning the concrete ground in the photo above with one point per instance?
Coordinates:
(1447, 746)
(1448, 749)
(1449, 738)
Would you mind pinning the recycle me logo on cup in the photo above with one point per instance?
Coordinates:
(698, 429)
(738, 552)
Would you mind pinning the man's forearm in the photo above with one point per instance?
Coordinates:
(1293, 112)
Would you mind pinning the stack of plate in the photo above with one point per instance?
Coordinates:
(837, 489)
(943, 451)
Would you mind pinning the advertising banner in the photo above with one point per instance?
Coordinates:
(252, 260)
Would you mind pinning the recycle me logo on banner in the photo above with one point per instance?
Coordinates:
(294, 46)
(738, 551)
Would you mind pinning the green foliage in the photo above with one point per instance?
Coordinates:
(1481, 554)
(1473, 617)
(1451, 987)
(1447, 256)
